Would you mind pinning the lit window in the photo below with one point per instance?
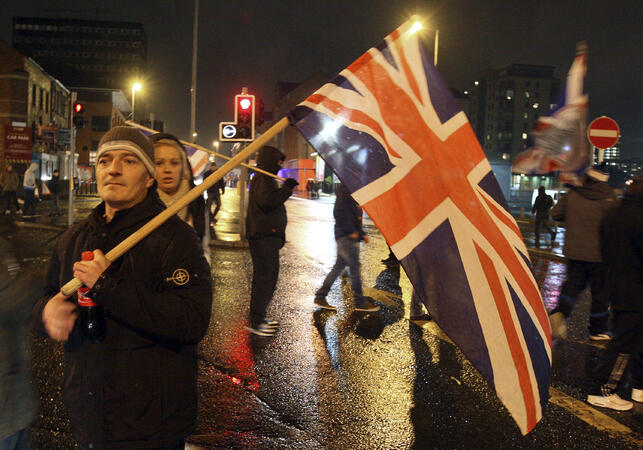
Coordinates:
(526, 94)
(525, 115)
(524, 135)
(535, 105)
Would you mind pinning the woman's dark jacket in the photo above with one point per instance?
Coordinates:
(136, 388)
(266, 210)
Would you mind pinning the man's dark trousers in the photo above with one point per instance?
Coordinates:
(628, 339)
(265, 271)
(579, 273)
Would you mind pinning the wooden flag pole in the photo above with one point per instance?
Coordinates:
(73, 285)
(207, 150)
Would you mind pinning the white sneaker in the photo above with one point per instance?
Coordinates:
(558, 326)
(610, 401)
(637, 395)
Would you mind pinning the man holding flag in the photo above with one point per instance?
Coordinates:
(135, 388)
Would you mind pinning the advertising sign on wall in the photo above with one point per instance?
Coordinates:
(17, 142)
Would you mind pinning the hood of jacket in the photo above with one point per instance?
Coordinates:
(595, 190)
(269, 158)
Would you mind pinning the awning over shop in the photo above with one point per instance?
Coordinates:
(18, 161)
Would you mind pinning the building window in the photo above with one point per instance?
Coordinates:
(100, 123)
(40, 100)
(33, 95)
(47, 102)
(524, 136)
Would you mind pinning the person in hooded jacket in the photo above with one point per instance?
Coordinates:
(266, 230)
(29, 187)
(135, 387)
(621, 236)
(582, 209)
(174, 179)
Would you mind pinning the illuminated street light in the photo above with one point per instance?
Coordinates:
(135, 87)
(215, 144)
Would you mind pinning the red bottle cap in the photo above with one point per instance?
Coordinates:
(87, 256)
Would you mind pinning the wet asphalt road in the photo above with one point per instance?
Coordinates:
(349, 380)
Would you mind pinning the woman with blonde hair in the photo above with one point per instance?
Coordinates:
(174, 179)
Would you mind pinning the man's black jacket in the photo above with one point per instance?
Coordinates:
(266, 210)
(137, 388)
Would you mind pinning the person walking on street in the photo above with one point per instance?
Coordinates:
(622, 248)
(54, 188)
(348, 235)
(29, 186)
(18, 403)
(135, 385)
(9, 182)
(214, 195)
(174, 179)
(266, 228)
(582, 210)
(542, 205)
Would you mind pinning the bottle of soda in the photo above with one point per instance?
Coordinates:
(91, 315)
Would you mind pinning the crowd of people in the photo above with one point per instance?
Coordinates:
(135, 385)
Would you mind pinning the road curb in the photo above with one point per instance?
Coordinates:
(229, 244)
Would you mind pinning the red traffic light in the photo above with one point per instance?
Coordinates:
(79, 108)
(245, 103)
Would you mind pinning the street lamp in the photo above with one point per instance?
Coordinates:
(135, 87)
(215, 144)
(417, 26)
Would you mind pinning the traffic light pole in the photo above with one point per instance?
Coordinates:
(70, 165)
(242, 200)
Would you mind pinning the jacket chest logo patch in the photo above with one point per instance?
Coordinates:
(180, 277)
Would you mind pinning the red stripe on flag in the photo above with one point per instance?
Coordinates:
(511, 334)
(503, 218)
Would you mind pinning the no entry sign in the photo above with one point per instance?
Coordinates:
(603, 132)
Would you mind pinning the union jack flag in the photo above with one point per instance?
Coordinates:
(560, 142)
(392, 132)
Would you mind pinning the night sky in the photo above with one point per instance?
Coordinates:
(255, 43)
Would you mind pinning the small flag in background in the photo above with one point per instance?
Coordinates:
(560, 141)
(390, 129)
(198, 158)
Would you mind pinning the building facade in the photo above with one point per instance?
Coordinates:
(505, 105)
(34, 113)
(84, 53)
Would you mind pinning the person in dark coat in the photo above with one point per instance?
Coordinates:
(18, 291)
(9, 182)
(348, 235)
(54, 188)
(266, 229)
(583, 209)
(214, 194)
(622, 248)
(174, 180)
(137, 387)
(542, 205)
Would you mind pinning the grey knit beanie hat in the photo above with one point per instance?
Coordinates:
(130, 139)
